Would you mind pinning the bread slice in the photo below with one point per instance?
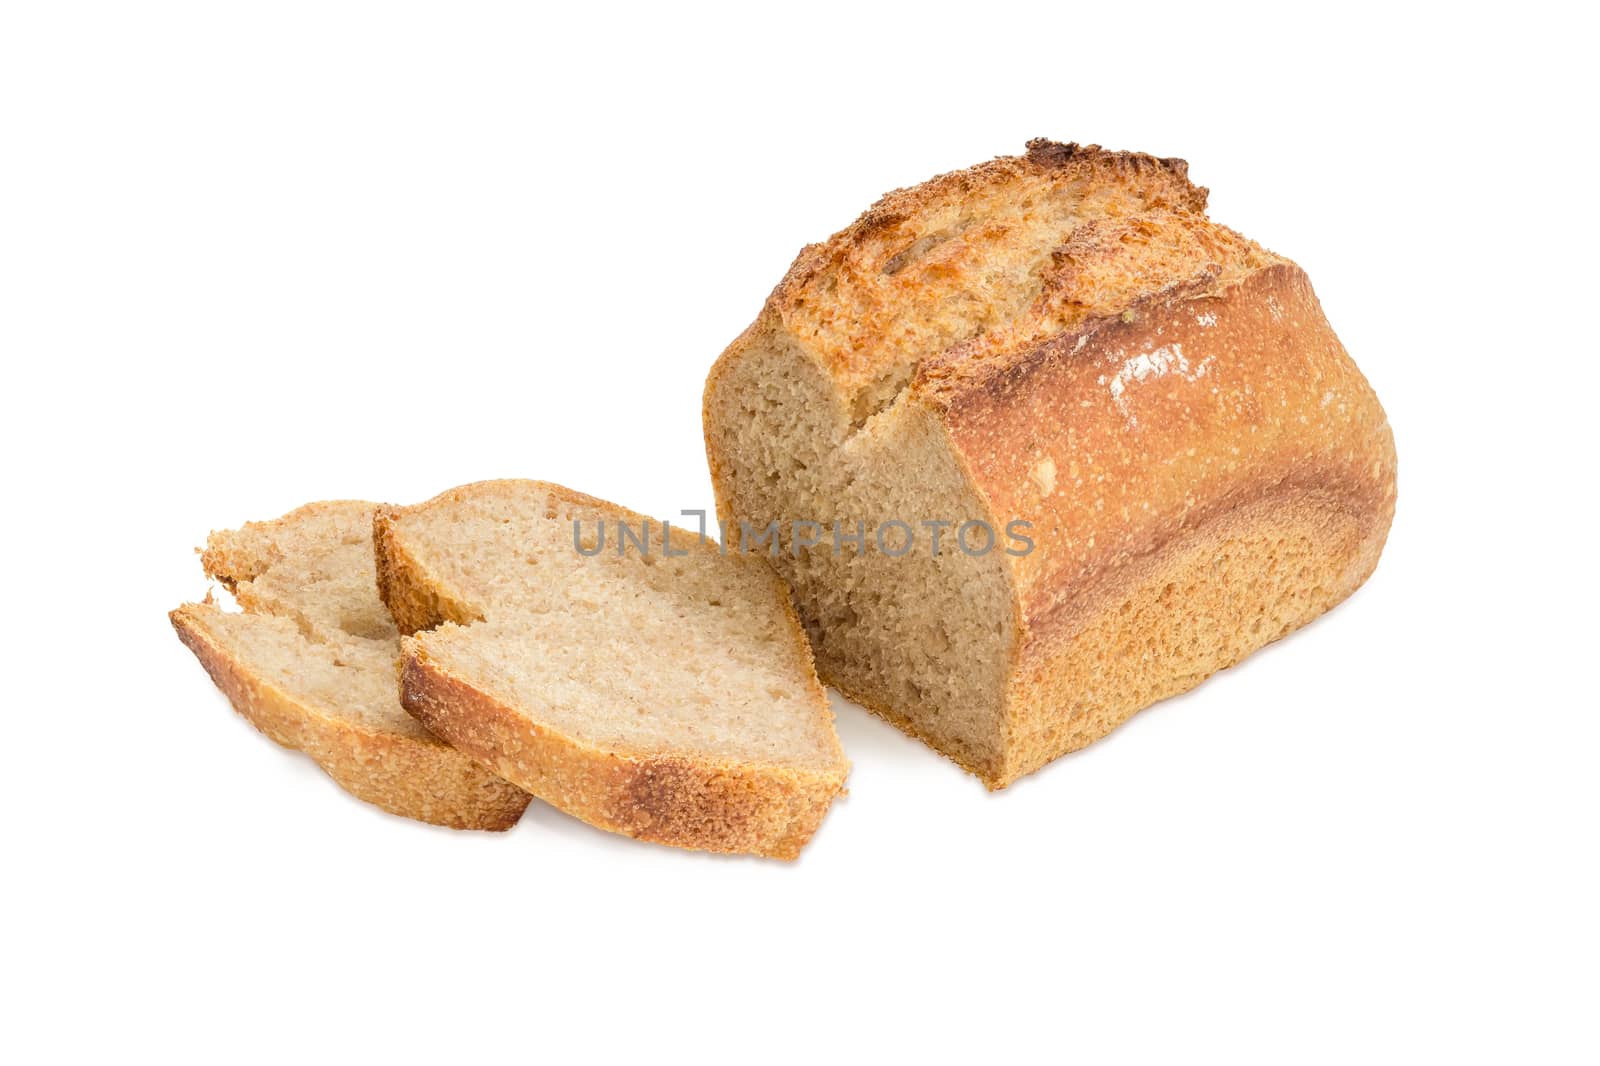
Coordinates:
(668, 697)
(1061, 340)
(311, 662)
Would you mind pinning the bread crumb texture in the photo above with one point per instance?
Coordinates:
(667, 697)
(312, 659)
(1061, 339)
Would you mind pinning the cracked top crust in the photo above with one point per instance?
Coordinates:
(950, 278)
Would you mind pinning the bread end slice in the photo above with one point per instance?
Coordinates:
(311, 662)
(414, 777)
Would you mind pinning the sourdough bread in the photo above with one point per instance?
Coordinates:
(1061, 345)
(311, 662)
(667, 697)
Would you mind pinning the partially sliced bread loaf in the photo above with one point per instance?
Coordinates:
(1127, 441)
(668, 697)
(311, 662)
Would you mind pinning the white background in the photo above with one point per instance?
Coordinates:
(256, 255)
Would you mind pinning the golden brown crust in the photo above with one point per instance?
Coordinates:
(419, 778)
(1106, 271)
(917, 271)
(665, 799)
(1116, 438)
(1199, 603)
(733, 807)
(1134, 446)
(1044, 161)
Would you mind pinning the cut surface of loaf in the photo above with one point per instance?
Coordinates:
(670, 698)
(311, 661)
(1061, 346)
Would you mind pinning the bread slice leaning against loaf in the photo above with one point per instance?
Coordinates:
(1061, 340)
(665, 696)
(311, 662)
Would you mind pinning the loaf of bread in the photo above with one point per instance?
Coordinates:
(1143, 413)
(662, 690)
(311, 662)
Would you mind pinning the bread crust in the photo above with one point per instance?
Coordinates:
(1189, 404)
(702, 804)
(1198, 604)
(665, 799)
(414, 777)
(1086, 163)
(886, 281)
(1242, 417)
